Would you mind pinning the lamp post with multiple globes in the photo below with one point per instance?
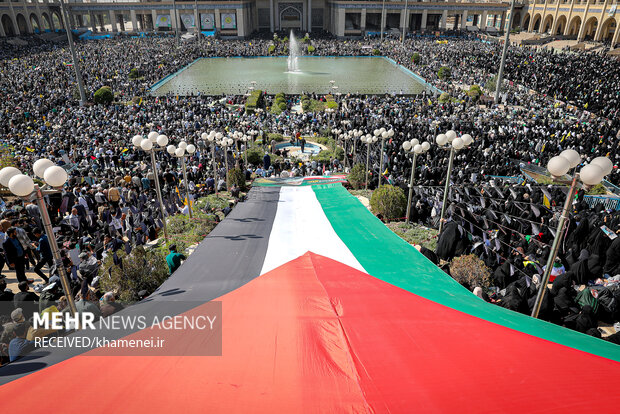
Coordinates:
(383, 133)
(589, 175)
(415, 148)
(23, 186)
(180, 152)
(148, 145)
(455, 144)
(368, 140)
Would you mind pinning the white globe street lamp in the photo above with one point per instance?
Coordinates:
(148, 145)
(415, 149)
(456, 144)
(24, 186)
(590, 175)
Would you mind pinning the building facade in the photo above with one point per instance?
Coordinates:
(595, 20)
(240, 18)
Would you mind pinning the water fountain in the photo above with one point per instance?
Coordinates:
(293, 54)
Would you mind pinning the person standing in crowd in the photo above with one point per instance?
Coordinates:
(15, 254)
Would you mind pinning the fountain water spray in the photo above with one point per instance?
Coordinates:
(293, 54)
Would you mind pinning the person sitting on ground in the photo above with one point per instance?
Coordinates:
(109, 305)
(26, 299)
(19, 345)
(174, 259)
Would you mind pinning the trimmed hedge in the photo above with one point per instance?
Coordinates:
(444, 73)
(134, 74)
(416, 58)
(255, 100)
(357, 176)
(104, 95)
(389, 202)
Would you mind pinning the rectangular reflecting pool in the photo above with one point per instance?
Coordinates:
(363, 75)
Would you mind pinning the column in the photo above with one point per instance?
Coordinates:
(122, 22)
(404, 14)
(601, 20)
(464, 20)
(495, 20)
(309, 16)
(240, 22)
(218, 21)
(424, 17)
(503, 22)
(616, 38)
(271, 25)
(582, 29)
(134, 21)
(340, 22)
(456, 21)
(363, 20)
(197, 20)
(93, 21)
(154, 17)
(570, 15)
(444, 20)
(483, 20)
(113, 21)
(2, 33)
(383, 20)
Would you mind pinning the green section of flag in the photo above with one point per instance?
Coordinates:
(386, 256)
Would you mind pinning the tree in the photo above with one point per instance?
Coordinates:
(236, 177)
(444, 97)
(357, 176)
(444, 73)
(416, 58)
(134, 74)
(311, 49)
(104, 95)
(389, 202)
(474, 92)
(141, 270)
(376, 52)
(255, 155)
(491, 85)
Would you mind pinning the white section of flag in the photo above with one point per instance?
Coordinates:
(300, 225)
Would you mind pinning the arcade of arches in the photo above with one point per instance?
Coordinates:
(595, 20)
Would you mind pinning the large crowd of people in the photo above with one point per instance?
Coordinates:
(550, 102)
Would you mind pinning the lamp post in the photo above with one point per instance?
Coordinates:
(76, 63)
(368, 140)
(23, 186)
(500, 74)
(147, 145)
(180, 153)
(455, 145)
(226, 142)
(384, 134)
(415, 148)
(212, 137)
(590, 175)
(176, 22)
(382, 19)
(405, 22)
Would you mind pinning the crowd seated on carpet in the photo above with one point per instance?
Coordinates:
(550, 102)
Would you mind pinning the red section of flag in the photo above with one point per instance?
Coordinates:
(315, 335)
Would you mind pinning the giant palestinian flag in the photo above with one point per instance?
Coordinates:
(325, 310)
